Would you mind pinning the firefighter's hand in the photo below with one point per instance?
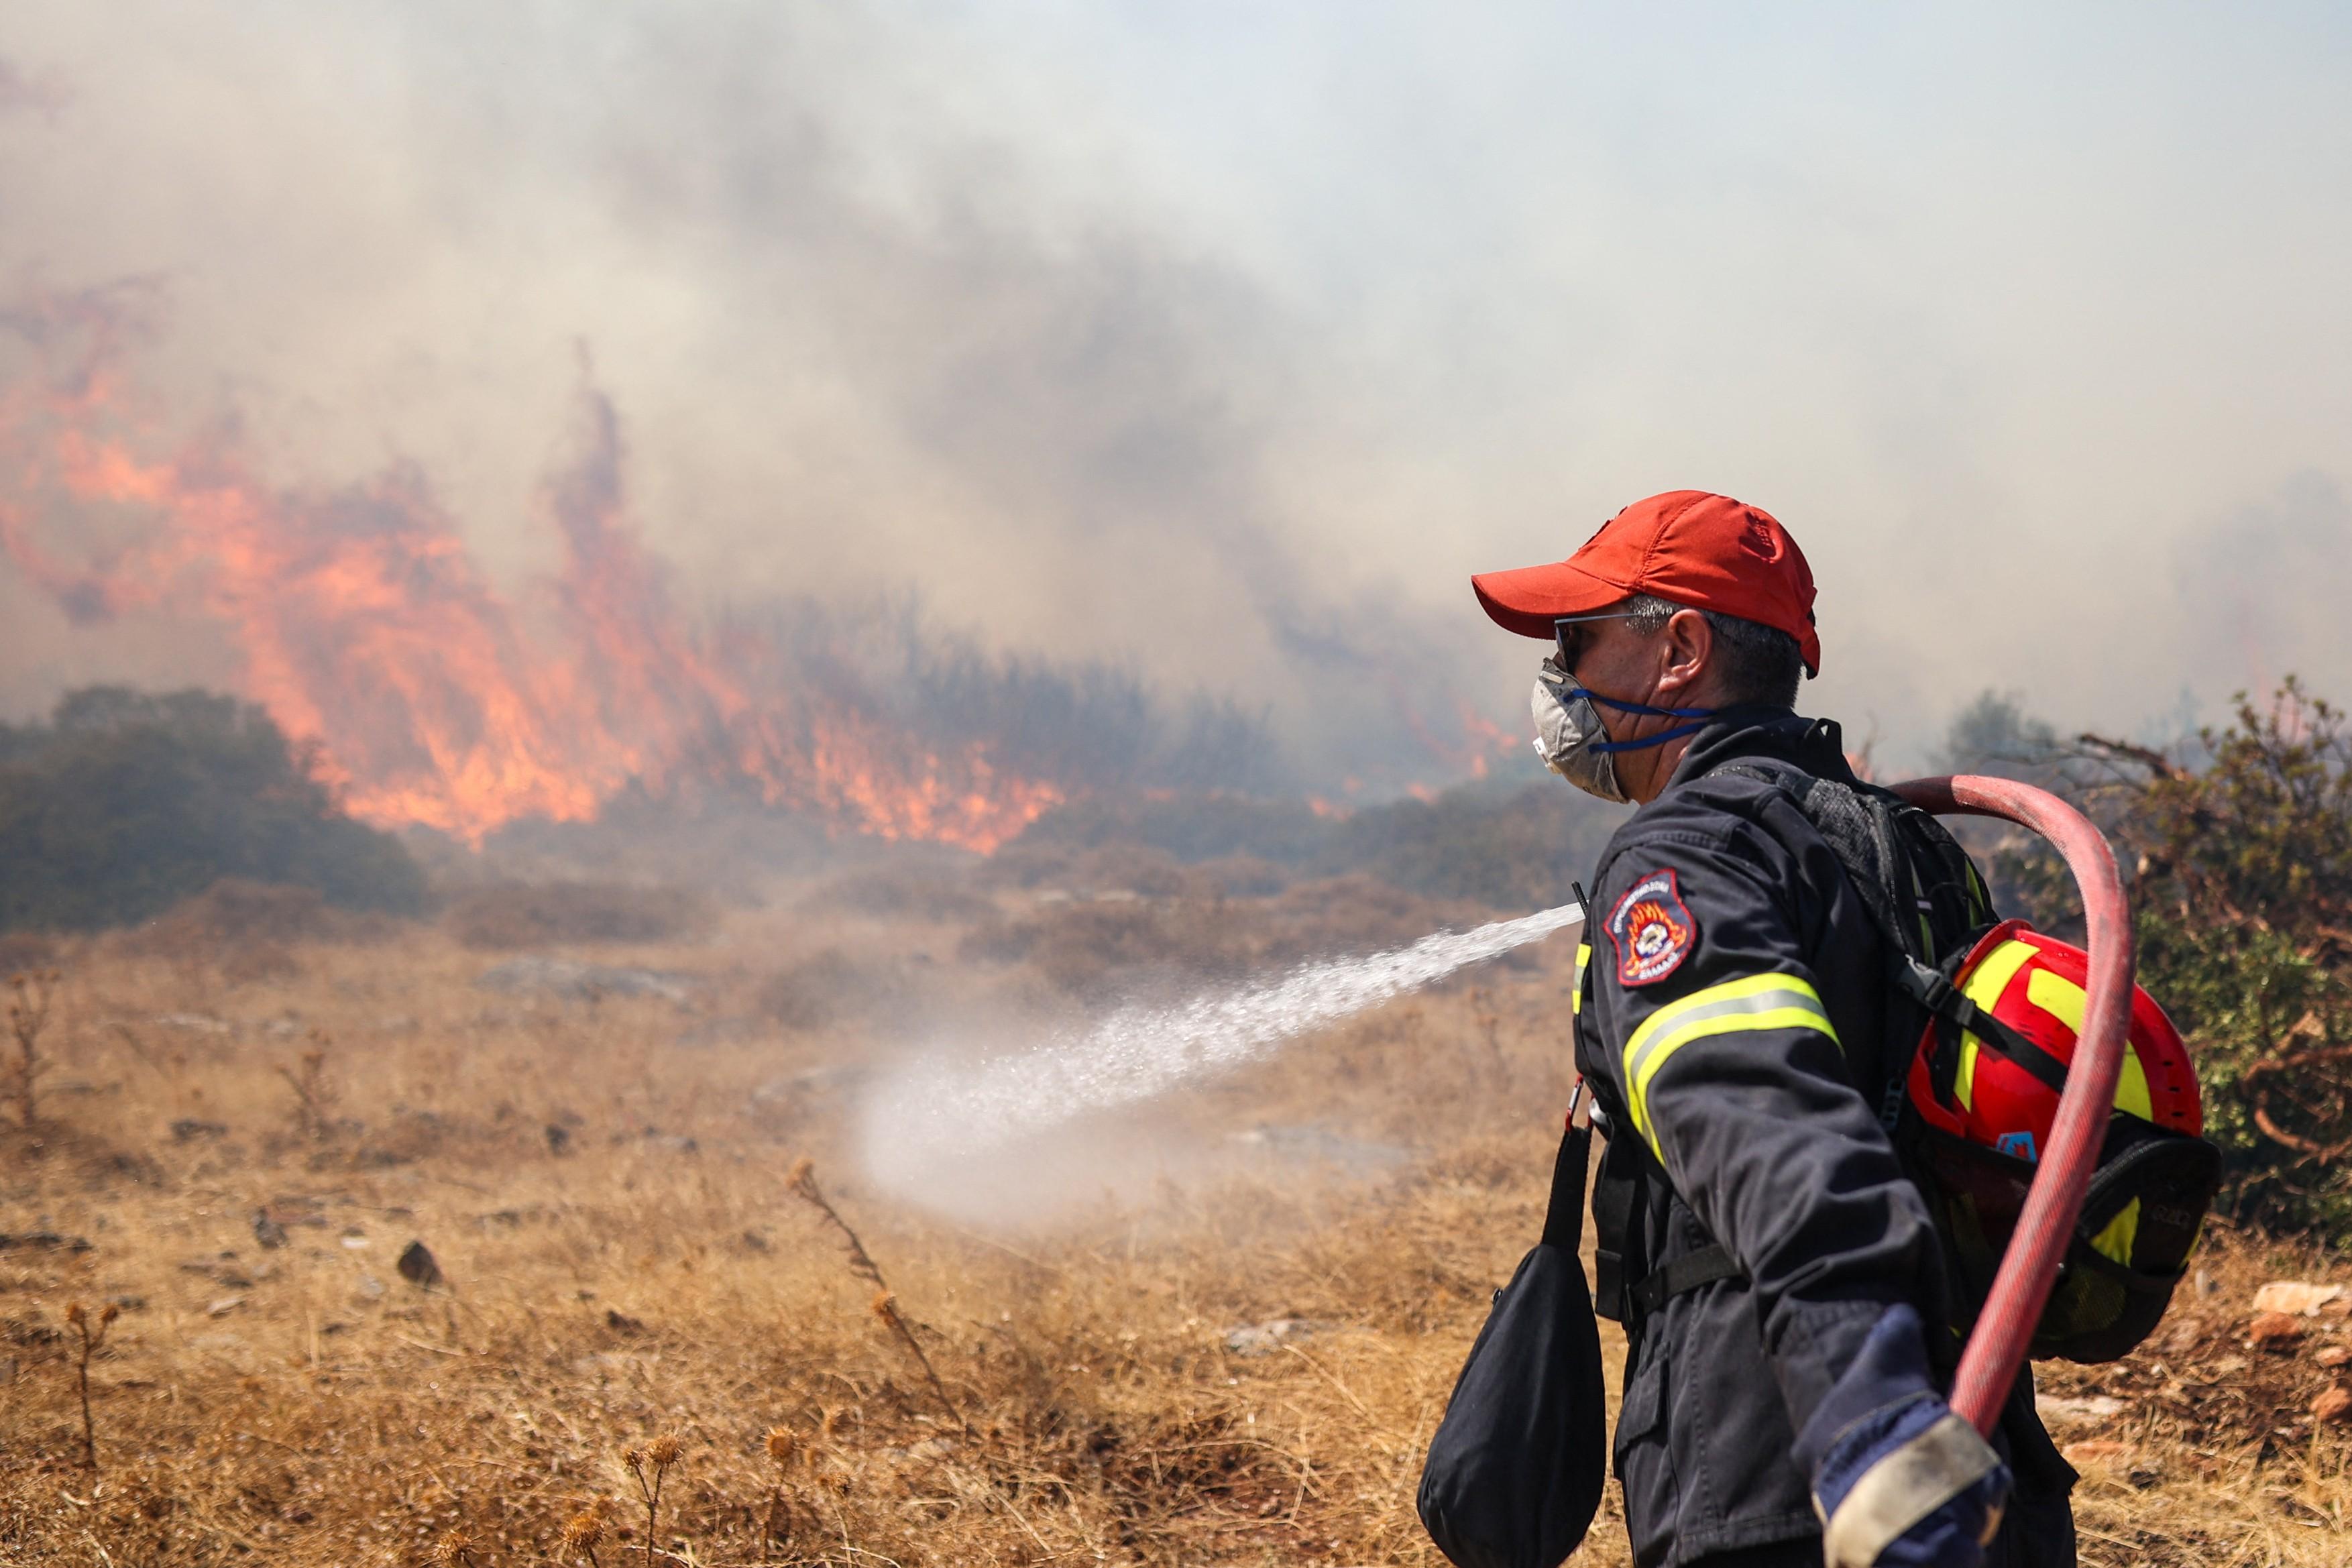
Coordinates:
(1899, 1479)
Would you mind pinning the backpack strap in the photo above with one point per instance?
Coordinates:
(1859, 830)
(1617, 1197)
(1625, 1175)
(1685, 1274)
(1933, 990)
(1862, 829)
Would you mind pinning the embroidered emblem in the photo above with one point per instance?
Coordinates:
(1652, 930)
(1757, 538)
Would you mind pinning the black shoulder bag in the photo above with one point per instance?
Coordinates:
(1514, 1471)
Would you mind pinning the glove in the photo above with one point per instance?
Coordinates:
(1899, 1480)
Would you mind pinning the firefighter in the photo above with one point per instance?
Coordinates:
(1780, 1280)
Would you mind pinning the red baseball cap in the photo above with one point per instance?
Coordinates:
(1708, 551)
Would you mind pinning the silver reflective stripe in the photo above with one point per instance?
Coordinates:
(1904, 1487)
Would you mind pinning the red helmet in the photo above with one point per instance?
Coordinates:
(1987, 1094)
(2033, 983)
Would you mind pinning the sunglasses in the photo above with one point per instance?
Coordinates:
(1568, 631)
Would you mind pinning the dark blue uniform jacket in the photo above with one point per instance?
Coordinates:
(1732, 1018)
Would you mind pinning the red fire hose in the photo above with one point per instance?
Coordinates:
(2028, 1269)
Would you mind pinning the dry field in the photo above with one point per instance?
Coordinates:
(1224, 1339)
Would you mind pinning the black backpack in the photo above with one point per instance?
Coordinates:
(2147, 1198)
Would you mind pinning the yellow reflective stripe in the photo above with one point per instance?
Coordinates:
(2064, 1000)
(1576, 996)
(1991, 978)
(1984, 986)
(2131, 1089)
(2116, 1241)
(1754, 1002)
(1964, 1082)
(2057, 995)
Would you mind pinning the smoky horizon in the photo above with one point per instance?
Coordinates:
(917, 418)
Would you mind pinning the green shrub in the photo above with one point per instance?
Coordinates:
(2242, 874)
(2244, 912)
(125, 803)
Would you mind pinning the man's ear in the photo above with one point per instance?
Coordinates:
(1688, 649)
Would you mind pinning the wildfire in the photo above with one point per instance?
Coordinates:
(366, 627)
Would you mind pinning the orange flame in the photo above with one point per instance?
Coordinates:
(366, 627)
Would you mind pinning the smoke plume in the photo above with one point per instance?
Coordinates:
(1215, 348)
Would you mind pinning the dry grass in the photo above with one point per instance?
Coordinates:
(626, 1270)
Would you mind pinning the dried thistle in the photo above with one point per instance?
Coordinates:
(583, 1532)
(801, 1181)
(314, 1093)
(649, 1465)
(89, 1341)
(30, 996)
(782, 1445)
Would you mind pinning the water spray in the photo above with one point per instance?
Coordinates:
(932, 1112)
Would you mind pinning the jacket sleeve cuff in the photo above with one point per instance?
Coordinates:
(1921, 1475)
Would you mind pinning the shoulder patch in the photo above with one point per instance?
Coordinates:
(1652, 930)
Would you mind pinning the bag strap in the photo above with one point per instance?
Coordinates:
(1564, 1214)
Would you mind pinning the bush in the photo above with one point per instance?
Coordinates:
(21, 952)
(515, 916)
(1189, 826)
(830, 987)
(124, 803)
(1122, 949)
(2245, 913)
(1339, 916)
(249, 929)
(1518, 852)
(2242, 907)
(915, 891)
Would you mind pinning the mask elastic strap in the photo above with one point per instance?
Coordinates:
(1648, 740)
(1587, 691)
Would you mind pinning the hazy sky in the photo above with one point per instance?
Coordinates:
(1229, 339)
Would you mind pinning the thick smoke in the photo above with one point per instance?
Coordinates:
(855, 356)
(1221, 347)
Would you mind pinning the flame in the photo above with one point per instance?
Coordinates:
(367, 629)
(1484, 732)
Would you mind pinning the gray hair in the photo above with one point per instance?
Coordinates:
(1759, 663)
